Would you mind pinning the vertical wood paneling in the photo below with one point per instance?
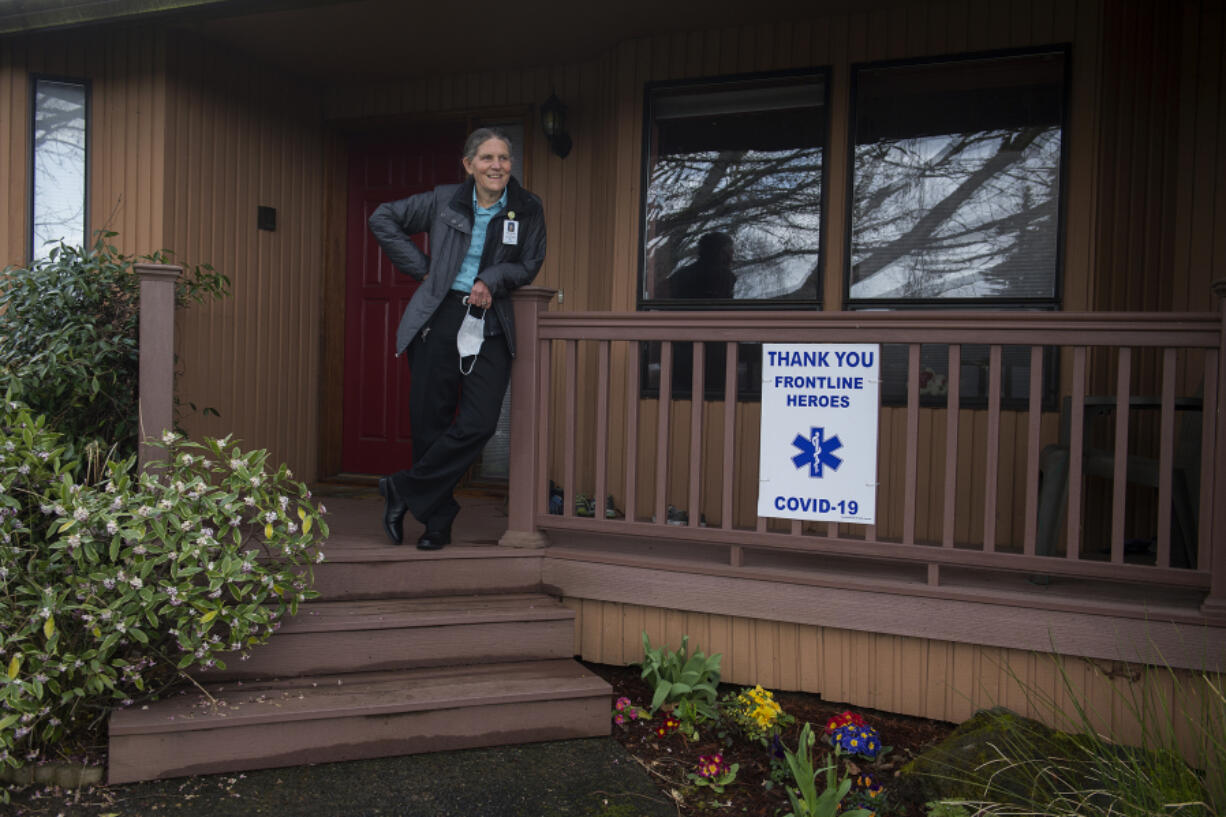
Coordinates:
(911, 676)
(181, 160)
(125, 132)
(249, 136)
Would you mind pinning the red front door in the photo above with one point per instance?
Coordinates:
(376, 437)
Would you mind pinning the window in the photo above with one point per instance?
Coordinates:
(732, 208)
(955, 191)
(59, 170)
(732, 192)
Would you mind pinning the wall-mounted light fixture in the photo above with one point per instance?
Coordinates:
(553, 122)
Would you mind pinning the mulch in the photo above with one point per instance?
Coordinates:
(669, 759)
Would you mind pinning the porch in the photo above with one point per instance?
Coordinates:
(989, 531)
(938, 609)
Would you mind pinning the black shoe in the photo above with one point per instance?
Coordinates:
(393, 511)
(434, 539)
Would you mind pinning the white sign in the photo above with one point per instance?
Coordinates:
(818, 455)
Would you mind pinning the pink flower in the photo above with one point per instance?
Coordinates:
(621, 704)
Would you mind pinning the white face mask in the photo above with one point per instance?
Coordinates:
(469, 339)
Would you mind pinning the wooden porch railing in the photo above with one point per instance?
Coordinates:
(1188, 349)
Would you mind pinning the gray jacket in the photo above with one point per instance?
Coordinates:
(447, 213)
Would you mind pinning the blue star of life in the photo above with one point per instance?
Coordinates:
(817, 452)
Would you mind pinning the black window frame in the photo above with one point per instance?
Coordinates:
(750, 390)
(85, 84)
(654, 90)
(1055, 302)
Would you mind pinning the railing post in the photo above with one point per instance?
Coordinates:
(1214, 607)
(523, 480)
(157, 356)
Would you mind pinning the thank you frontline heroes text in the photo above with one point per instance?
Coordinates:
(820, 390)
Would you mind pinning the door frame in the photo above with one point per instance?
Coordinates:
(334, 236)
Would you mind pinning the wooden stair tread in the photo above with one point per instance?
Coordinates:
(363, 551)
(377, 614)
(362, 694)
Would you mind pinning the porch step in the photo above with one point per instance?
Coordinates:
(373, 569)
(385, 634)
(349, 716)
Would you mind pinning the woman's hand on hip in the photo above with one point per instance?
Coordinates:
(480, 295)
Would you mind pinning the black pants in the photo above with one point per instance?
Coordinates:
(446, 441)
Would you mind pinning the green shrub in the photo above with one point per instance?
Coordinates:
(1008, 765)
(111, 589)
(677, 676)
(68, 339)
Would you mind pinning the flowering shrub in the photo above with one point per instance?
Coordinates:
(857, 740)
(111, 589)
(714, 771)
(667, 726)
(625, 713)
(843, 719)
(756, 713)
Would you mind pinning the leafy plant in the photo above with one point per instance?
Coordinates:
(68, 339)
(112, 587)
(940, 808)
(677, 676)
(805, 799)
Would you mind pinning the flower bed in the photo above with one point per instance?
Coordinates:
(696, 774)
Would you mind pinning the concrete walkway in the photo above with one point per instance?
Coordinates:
(577, 778)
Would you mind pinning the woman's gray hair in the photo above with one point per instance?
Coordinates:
(479, 137)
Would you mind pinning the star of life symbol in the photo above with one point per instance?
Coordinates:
(817, 452)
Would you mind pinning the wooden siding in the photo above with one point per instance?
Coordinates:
(918, 676)
(184, 142)
(241, 135)
(125, 68)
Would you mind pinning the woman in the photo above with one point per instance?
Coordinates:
(487, 237)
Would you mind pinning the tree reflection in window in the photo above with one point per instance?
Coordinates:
(956, 180)
(733, 191)
(59, 140)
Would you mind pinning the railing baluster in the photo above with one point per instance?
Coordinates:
(697, 393)
(1034, 419)
(1166, 457)
(992, 460)
(568, 450)
(602, 427)
(545, 401)
(730, 384)
(1205, 528)
(662, 441)
(953, 408)
(1123, 390)
(912, 446)
(1077, 413)
(1214, 606)
(633, 356)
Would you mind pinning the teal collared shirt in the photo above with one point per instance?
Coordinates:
(472, 259)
